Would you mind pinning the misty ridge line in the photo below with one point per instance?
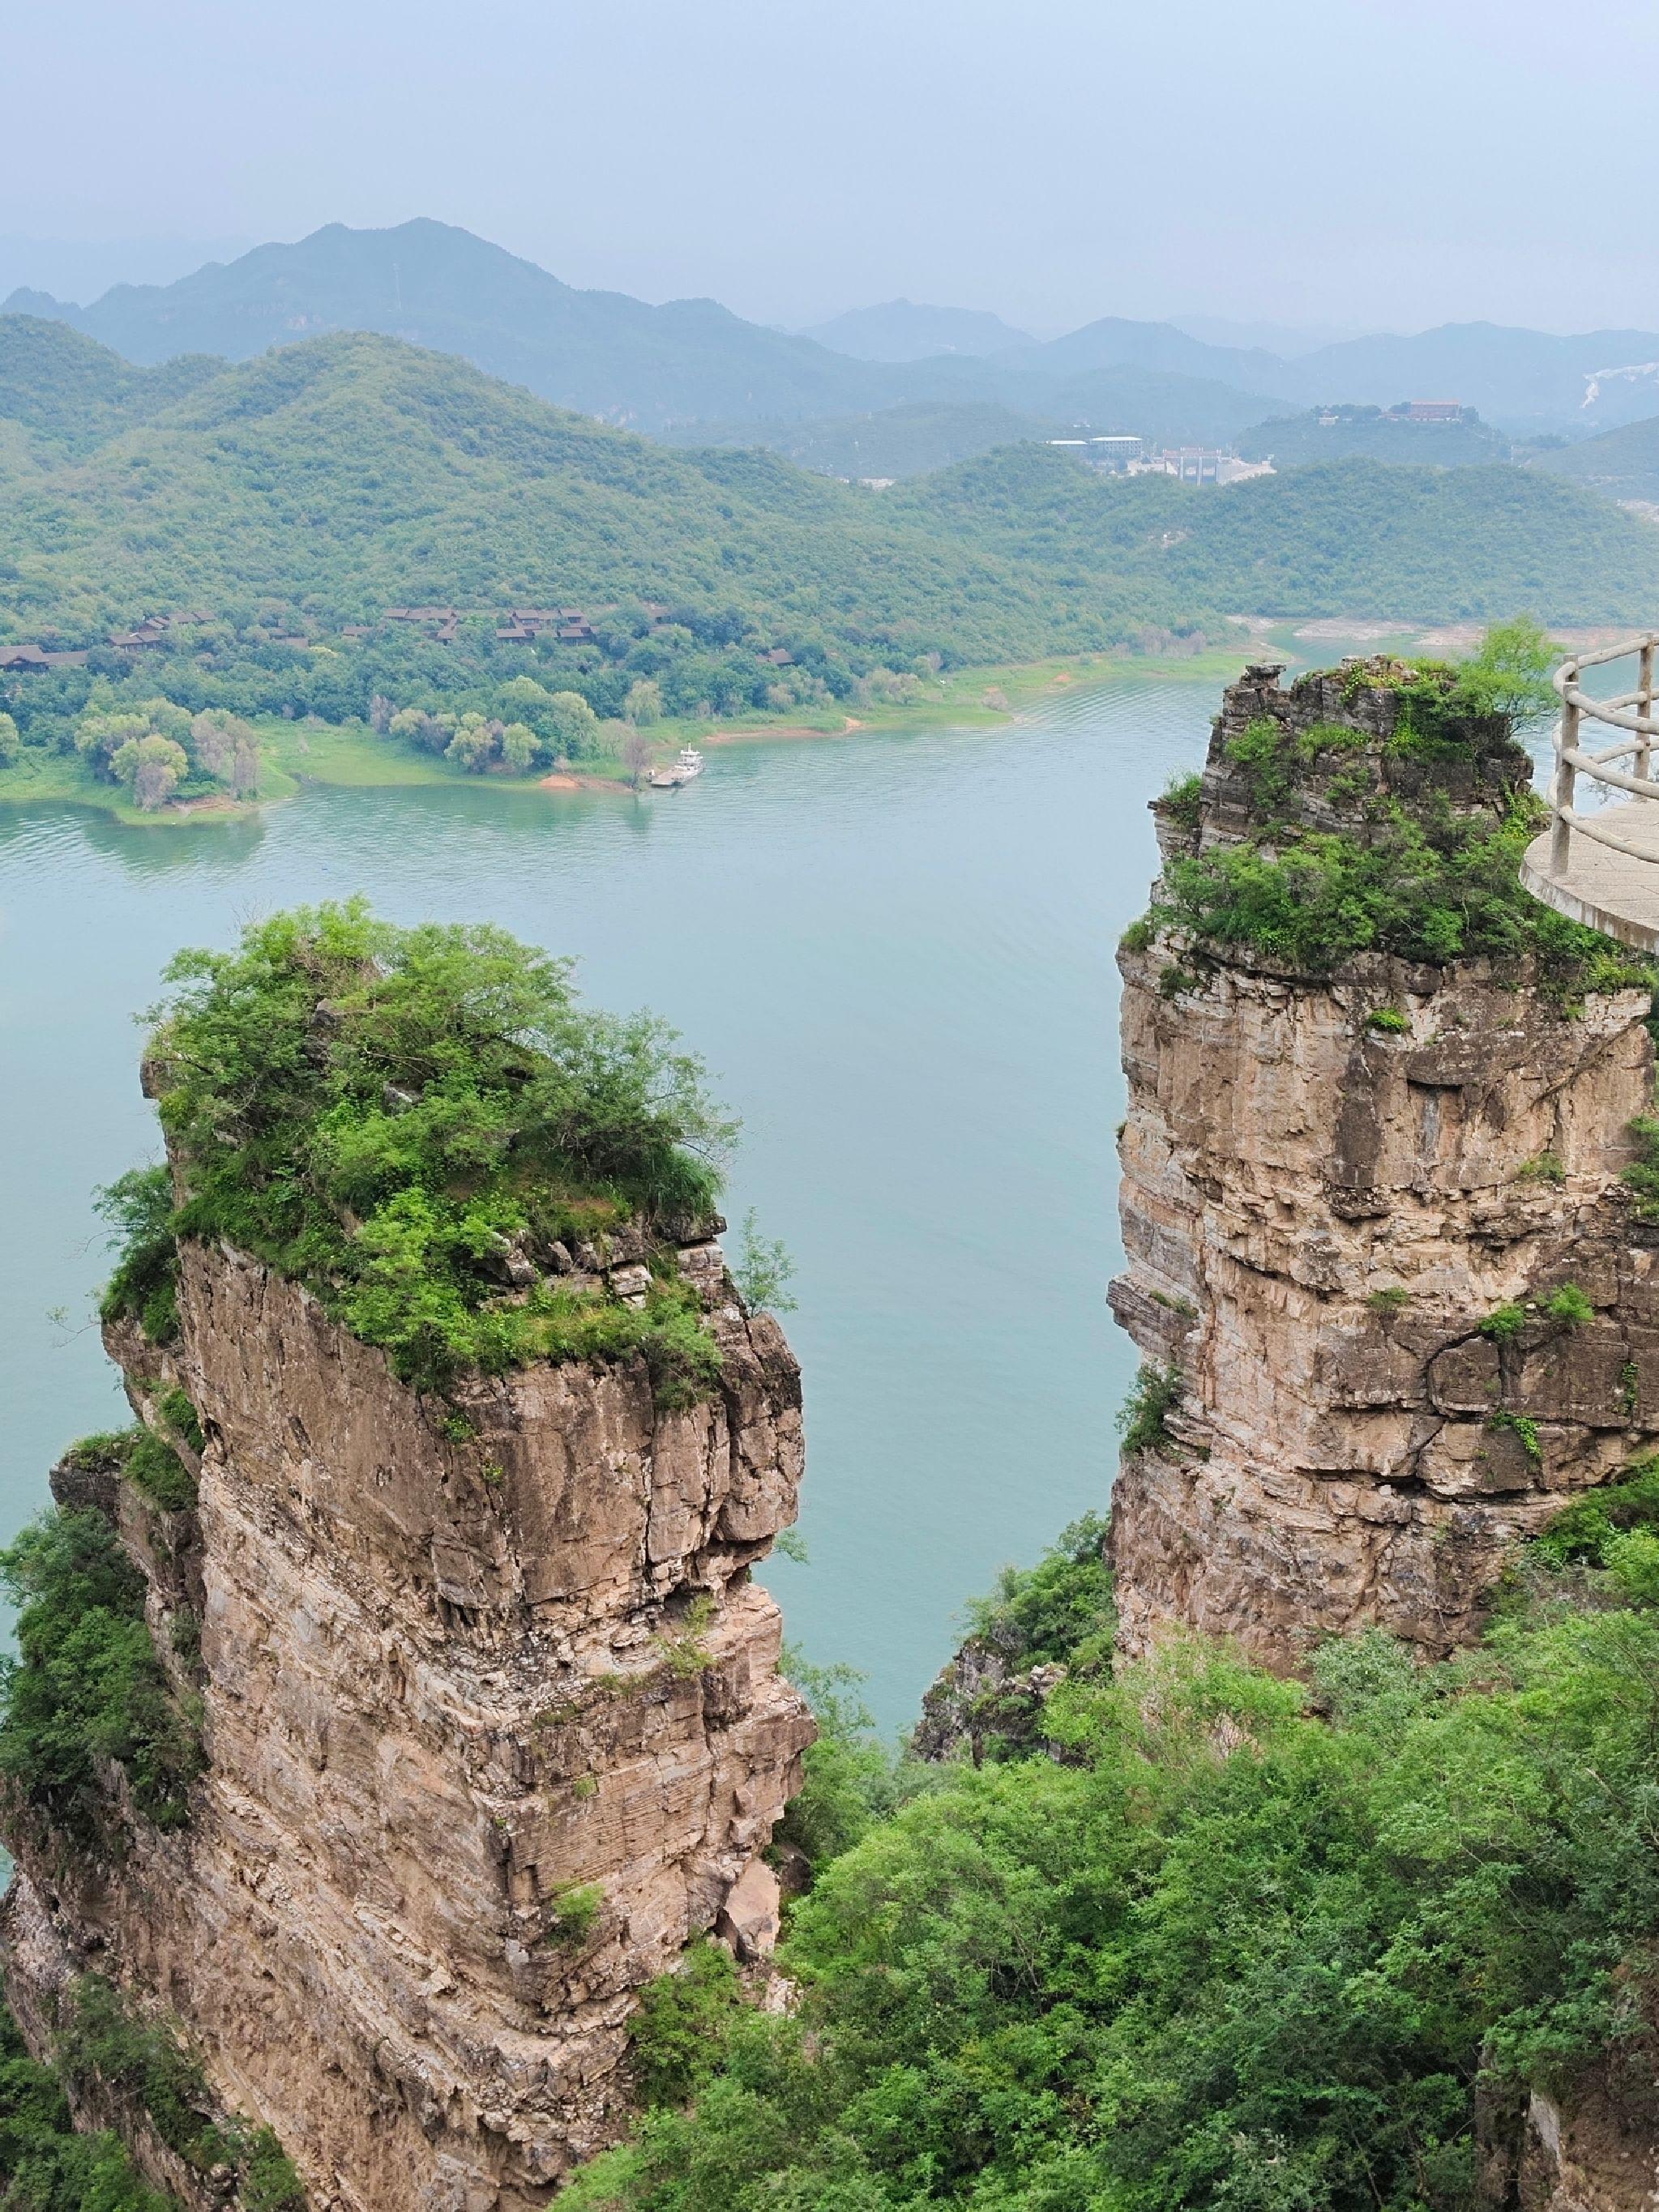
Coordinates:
(694, 364)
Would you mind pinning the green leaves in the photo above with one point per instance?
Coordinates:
(1221, 1944)
(389, 1113)
(87, 1685)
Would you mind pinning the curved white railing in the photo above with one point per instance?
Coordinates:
(1630, 712)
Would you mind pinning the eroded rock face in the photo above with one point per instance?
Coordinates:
(1318, 1216)
(493, 1728)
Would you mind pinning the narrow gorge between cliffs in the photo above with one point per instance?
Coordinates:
(453, 1723)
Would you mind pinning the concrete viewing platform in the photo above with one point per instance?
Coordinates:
(1612, 891)
(1601, 866)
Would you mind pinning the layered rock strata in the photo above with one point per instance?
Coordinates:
(492, 1727)
(1321, 1211)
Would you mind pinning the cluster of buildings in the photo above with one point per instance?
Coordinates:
(1120, 454)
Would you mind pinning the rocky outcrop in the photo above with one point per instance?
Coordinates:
(986, 1702)
(492, 1725)
(1592, 2146)
(1322, 1213)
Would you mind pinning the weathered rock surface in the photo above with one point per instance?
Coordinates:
(1593, 2147)
(1318, 1215)
(493, 1728)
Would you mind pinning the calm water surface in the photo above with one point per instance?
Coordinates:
(895, 953)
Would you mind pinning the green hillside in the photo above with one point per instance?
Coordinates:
(354, 473)
(336, 479)
(1352, 536)
(73, 394)
(1622, 464)
(907, 440)
(1291, 442)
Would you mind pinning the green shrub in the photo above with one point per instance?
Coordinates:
(381, 1113)
(1239, 1945)
(86, 1684)
(1137, 937)
(270, 2179)
(1569, 1306)
(100, 2041)
(45, 2166)
(1521, 1425)
(763, 1271)
(137, 1452)
(1140, 1421)
(157, 1470)
(106, 1448)
(675, 2037)
(145, 2064)
(176, 1410)
(683, 1650)
(1043, 1614)
(1434, 892)
(1581, 1533)
(1545, 1167)
(1389, 1018)
(1183, 800)
(1265, 753)
(138, 1207)
(572, 1913)
(1505, 1322)
(1391, 1298)
(849, 1779)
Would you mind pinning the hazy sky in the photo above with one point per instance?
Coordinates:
(1374, 163)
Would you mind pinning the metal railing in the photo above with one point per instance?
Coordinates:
(1631, 712)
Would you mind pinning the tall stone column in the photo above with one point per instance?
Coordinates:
(1350, 1201)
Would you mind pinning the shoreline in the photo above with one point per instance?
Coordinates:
(346, 756)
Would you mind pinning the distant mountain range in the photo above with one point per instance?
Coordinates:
(900, 331)
(692, 361)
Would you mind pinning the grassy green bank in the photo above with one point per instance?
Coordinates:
(350, 755)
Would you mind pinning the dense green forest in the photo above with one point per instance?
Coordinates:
(1427, 543)
(1194, 1939)
(340, 477)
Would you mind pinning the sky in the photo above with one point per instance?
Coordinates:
(1353, 164)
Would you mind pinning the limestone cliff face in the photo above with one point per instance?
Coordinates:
(1319, 1214)
(492, 1723)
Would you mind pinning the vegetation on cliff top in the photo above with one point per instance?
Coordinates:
(1231, 1944)
(1418, 876)
(420, 1124)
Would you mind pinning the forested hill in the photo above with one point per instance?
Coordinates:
(353, 473)
(345, 475)
(1621, 464)
(1342, 538)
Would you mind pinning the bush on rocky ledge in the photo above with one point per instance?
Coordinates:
(86, 1685)
(420, 1125)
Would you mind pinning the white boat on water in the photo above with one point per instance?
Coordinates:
(688, 764)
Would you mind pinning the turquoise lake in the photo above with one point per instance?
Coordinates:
(895, 953)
